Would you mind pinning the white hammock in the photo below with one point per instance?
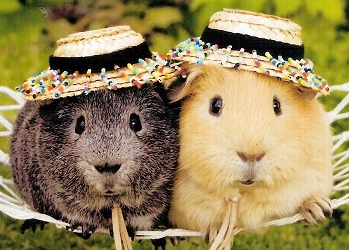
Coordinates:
(12, 205)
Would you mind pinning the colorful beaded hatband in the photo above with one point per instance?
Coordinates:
(109, 58)
(249, 41)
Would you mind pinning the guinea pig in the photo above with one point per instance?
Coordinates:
(248, 134)
(75, 157)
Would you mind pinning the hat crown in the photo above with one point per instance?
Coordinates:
(257, 25)
(97, 42)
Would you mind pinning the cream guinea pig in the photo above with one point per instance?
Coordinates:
(249, 134)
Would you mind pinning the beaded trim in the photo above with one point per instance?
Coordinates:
(154, 69)
(298, 69)
(149, 71)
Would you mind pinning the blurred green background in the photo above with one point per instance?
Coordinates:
(29, 29)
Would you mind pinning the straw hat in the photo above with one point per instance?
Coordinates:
(109, 58)
(255, 42)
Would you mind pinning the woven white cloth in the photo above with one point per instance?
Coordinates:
(13, 205)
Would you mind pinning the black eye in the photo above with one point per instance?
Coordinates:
(277, 106)
(135, 122)
(216, 106)
(80, 125)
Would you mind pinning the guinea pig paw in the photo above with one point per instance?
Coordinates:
(314, 210)
(175, 240)
(131, 231)
(210, 235)
(83, 235)
(86, 230)
(32, 223)
(159, 243)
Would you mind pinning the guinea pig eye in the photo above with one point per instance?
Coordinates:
(216, 106)
(277, 106)
(80, 125)
(135, 122)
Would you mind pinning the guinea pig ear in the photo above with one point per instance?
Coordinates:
(180, 88)
(306, 93)
(159, 88)
(48, 110)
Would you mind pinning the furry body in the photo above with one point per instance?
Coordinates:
(279, 163)
(76, 175)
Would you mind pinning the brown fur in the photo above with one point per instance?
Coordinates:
(78, 177)
(295, 174)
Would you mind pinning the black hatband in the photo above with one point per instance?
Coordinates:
(224, 38)
(97, 62)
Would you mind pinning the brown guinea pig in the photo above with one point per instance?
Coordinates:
(254, 135)
(76, 157)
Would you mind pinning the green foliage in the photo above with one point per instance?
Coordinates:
(161, 22)
(9, 6)
(24, 51)
(28, 35)
(50, 238)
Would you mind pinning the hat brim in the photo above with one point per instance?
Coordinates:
(52, 84)
(110, 58)
(298, 72)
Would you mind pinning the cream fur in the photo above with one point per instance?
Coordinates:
(295, 173)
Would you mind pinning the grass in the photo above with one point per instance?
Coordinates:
(332, 235)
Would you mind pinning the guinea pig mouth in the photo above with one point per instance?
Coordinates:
(109, 193)
(247, 183)
(113, 193)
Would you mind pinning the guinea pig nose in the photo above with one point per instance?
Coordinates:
(250, 158)
(108, 169)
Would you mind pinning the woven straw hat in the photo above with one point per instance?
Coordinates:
(255, 42)
(109, 58)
